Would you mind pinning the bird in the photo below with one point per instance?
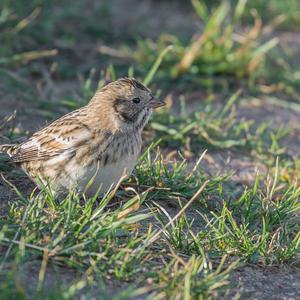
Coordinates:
(89, 149)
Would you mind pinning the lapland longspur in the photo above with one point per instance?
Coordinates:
(96, 143)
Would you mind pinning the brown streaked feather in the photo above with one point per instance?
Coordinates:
(62, 136)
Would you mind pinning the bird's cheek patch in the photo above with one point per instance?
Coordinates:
(122, 107)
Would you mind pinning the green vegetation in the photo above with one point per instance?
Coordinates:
(103, 239)
(217, 50)
(187, 218)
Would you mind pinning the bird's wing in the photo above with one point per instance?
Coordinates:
(62, 136)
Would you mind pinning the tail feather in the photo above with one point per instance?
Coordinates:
(9, 149)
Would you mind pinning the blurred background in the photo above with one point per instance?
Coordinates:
(49, 48)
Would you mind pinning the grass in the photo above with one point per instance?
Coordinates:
(172, 230)
(103, 239)
(213, 127)
(288, 11)
(220, 49)
(259, 225)
(99, 241)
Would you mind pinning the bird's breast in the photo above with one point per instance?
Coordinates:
(117, 161)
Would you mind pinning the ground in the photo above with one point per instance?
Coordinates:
(257, 128)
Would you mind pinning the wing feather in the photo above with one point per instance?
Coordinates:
(62, 136)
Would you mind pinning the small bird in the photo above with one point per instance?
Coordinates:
(90, 148)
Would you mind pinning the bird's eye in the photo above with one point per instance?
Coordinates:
(136, 100)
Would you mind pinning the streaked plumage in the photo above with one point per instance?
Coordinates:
(101, 141)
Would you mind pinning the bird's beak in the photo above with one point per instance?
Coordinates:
(155, 103)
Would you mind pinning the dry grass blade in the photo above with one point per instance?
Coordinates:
(26, 21)
(191, 54)
(26, 57)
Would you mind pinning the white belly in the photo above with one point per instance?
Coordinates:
(105, 177)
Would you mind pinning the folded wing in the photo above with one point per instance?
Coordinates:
(63, 136)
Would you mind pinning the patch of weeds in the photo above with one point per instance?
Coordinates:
(288, 10)
(87, 88)
(261, 226)
(74, 233)
(43, 23)
(12, 28)
(171, 179)
(99, 242)
(39, 42)
(216, 128)
(194, 278)
(283, 78)
(220, 49)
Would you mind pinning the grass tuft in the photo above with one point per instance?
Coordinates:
(220, 49)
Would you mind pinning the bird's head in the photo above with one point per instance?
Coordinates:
(132, 103)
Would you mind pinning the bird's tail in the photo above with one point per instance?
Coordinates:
(8, 148)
